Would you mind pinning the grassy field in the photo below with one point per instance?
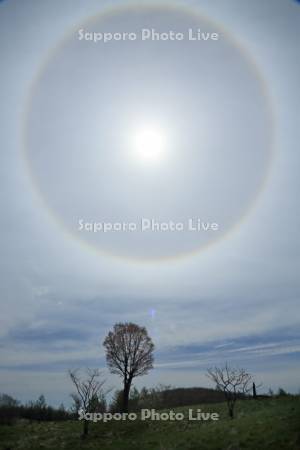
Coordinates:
(262, 424)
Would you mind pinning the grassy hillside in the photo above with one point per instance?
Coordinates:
(262, 424)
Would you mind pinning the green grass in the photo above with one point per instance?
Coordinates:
(262, 424)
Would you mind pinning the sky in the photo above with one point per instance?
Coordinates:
(77, 118)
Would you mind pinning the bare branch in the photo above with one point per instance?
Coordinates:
(234, 382)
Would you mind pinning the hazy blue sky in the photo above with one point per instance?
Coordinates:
(236, 300)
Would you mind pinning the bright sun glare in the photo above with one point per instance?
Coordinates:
(149, 144)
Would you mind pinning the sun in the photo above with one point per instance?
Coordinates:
(149, 144)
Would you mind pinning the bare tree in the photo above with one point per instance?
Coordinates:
(89, 392)
(129, 353)
(234, 382)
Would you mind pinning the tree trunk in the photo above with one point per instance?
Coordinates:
(230, 405)
(85, 429)
(126, 396)
(254, 390)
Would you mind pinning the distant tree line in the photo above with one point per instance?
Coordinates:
(159, 397)
(11, 410)
(162, 397)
